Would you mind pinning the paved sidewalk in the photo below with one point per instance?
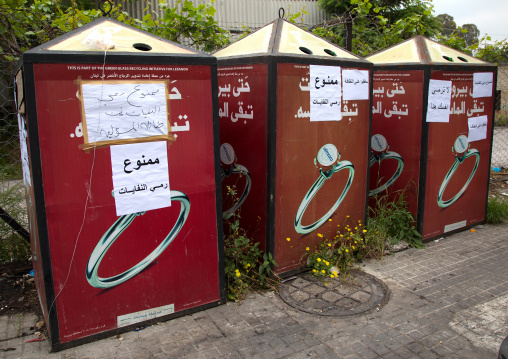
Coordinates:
(447, 301)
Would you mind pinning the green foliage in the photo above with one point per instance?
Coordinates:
(246, 265)
(379, 24)
(293, 17)
(12, 246)
(336, 256)
(497, 210)
(391, 220)
(493, 52)
(25, 24)
(195, 23)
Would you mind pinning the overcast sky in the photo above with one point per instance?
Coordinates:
(490, 16)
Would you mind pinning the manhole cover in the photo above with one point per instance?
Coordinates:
(338, 298)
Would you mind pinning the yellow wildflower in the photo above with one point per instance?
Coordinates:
(319, 259)
(347, 250)
(320, 235)
(323, 271)
(288, 239)
(364, 231)
(329, 244)
(306, 248)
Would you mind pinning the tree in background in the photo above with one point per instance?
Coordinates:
(379, 23)
(468, 32)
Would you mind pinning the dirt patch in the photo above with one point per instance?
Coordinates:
(17, 289)
(498, 183)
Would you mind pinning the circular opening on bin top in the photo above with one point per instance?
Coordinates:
(330, 52)
(306, 50)
(462, 59)
(142, 47)
(447, 58)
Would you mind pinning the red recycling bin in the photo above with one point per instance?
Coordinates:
(125, 216)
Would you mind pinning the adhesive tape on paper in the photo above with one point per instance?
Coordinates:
(96, 40)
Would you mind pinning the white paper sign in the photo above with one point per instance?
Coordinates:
(440, 97)
(482, 84)
(125, 110)
(477, 128)
(23, 147)
(24, 150)
(355, 85)
(325, 93)
(140, 177)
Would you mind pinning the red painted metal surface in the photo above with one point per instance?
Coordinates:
(398, 90)
(186, 273)
(470, 207)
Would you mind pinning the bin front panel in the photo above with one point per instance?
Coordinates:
(297, 144)
(462, 203)
(242, 114)
(185, 274)
(397, 117)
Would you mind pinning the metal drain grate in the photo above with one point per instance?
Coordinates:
(338, 298)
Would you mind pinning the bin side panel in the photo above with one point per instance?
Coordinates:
(35, 242)
(397, 116)
(243, 116)
(297, 144)
(469, 208)
(185, 275)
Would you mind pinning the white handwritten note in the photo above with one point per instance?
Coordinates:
(482, 84)
(140, 177)
(440, 97)
(477, 128)
(355, 85)
(124, 110)
(325, 93)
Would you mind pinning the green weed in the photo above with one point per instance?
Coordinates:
(246, 265)
(497, 210)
